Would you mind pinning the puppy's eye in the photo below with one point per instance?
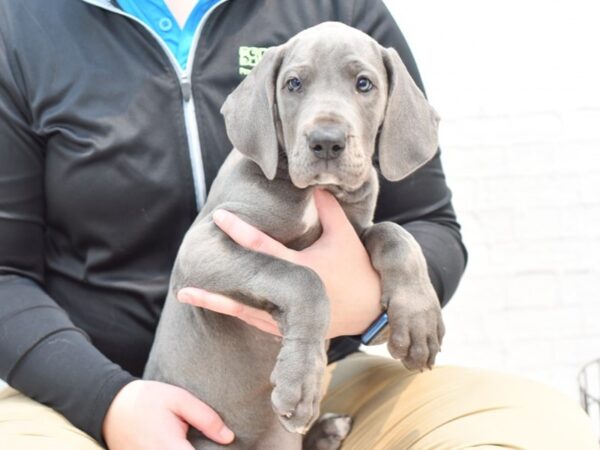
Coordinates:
(294, 84)
(363, 84)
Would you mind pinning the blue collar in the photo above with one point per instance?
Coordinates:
(156, 14)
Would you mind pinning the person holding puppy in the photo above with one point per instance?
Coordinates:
(110, 138)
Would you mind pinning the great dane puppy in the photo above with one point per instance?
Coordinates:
(311, 114)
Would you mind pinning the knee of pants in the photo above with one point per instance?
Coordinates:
(451, 408)
(26, 424)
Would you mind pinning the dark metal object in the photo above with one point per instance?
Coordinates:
(589, 391)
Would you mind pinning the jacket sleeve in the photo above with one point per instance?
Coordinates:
(42, 353)
(421, 203)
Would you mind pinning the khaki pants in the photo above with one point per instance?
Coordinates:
(393, 409)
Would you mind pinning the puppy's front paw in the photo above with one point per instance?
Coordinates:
(297, 380)
(416, 328)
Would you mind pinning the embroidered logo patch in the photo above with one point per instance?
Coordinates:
(249, 57)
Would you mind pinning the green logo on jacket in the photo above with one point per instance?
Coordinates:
(249, 57)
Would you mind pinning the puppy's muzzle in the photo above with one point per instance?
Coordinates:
(327, 141)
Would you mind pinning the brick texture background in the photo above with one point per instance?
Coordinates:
(516, 84)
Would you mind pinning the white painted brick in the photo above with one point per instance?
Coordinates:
(476, 131)
(554, 190)
(577, 351)
(536, 128)
(523, 257)
(498, 226)
(579, 288)
(478, 295)
(582, 125)
(578, 157)
(577, 254)
(529, 355)
(533, 290)
(535, 223)
(480, 261)
(591, 318)
(464, 191)
(580, 221)
(588, 186)
(490, 355)
(464, 326)
(488, 227)
(497, 192)
(511, 191)
(535, 324)
(532, 158)
(477, 161)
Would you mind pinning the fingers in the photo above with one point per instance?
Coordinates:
(248, 236)
(331, 214)
(225, 305)
(202, 417)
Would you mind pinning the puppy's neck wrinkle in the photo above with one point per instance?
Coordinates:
(282, 172)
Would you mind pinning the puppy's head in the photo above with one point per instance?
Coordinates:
(329, 98)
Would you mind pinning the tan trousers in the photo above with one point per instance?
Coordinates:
(393, 409)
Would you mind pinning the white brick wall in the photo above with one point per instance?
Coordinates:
(516, 84)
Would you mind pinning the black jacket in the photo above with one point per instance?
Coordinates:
(97, 187)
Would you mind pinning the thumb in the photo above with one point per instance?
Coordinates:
(202, 417)
(331, 214)
(249, 236)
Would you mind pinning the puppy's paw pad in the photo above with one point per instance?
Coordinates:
(337, 426)
(415, 333)
(328, 432)
(296, 403)
(297, 380)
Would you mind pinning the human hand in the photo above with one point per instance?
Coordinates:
(149, 415)
(338, 257)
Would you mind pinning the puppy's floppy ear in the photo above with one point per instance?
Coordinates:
(249, 113)
(409, 133)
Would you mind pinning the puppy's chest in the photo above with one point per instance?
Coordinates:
(302, 226)
(299, 226)
(309, 217)
(309, 225)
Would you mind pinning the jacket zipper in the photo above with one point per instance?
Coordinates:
(184, 77)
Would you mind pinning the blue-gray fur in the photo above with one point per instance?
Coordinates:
(268, 389)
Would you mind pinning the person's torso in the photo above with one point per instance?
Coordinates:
(113, 111)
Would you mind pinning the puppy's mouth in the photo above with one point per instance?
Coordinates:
(326, 178)
(345, 173)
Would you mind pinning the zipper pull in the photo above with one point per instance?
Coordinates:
(186, 88)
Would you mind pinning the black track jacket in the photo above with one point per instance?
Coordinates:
(106, 151)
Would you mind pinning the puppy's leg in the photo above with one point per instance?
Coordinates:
(293, 294)
(416, 327)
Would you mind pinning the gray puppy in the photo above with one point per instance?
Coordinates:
(310, 114)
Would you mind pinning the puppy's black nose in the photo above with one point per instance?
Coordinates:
(327, 142)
